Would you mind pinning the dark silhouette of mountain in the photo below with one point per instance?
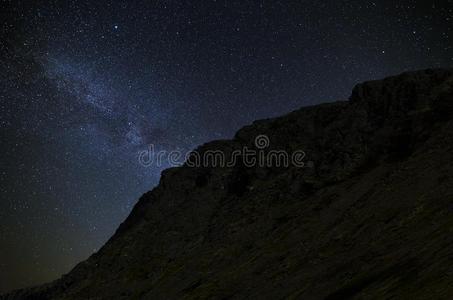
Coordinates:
(369, 215)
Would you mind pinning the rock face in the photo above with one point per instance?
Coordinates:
(369, 216)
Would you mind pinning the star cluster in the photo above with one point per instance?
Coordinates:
(86, 85)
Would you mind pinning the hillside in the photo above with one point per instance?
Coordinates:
(368, 216)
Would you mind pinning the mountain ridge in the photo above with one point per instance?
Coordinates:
(354, 222)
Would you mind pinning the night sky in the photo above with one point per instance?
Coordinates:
(86, 85)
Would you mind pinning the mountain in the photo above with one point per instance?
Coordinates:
(366, 213)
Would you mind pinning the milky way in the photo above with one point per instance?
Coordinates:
(87, 85)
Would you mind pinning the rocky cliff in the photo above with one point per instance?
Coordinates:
(368, 216)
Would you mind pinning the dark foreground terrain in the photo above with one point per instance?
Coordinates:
(370, 216)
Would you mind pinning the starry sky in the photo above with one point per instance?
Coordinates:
(86, 85)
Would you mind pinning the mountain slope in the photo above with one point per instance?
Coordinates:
(369, 216)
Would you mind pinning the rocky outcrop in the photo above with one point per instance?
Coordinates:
(368, 216)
